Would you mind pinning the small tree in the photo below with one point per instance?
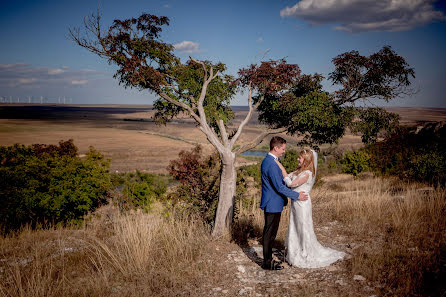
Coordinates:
(287, 101)
(199, 178)
(49, 184)
(355, 162)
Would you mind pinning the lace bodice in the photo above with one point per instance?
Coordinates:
(305, 187)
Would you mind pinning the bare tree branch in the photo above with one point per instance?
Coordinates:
(224, 134)
(248, 116)
(258, 140)
(182, 105)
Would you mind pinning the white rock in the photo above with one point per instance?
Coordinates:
(340, 282)
(369, 289)
(242, 291)
(256, 250)
(359, 278)
(241, 269)
(216, 289)
(225, 291)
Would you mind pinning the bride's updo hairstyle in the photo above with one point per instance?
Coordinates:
(308, 163)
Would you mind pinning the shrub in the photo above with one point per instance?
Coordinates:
(330, 161)
(290, 160)
(412, 154)
(48, 184)
(355, 162)
(246, 176)
(251, 171)
(429, 166)
(199, 181)
(138, 189)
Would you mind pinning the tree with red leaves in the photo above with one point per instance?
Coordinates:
(203, 91)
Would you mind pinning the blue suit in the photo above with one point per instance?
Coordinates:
(274, 191)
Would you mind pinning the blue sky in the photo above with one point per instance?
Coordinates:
(38, 59)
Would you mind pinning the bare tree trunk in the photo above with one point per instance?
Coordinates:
(225, 208)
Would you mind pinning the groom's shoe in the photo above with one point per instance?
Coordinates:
(272, 266)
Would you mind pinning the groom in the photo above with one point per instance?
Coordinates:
(274, 197)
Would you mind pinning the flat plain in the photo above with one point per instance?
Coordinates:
(128, 135)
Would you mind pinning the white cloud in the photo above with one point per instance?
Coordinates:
(187, 47)
(79, 82)
(260, 39)
(356, 16)
(27, 80)
(54, 71)
(26, 76)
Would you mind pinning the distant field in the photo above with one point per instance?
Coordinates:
(128, 135)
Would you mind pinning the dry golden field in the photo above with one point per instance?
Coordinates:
(393, 235)
(129, 137)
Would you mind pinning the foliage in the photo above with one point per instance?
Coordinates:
(251, 171)
(330, 161)
(48, 184)
(383, 75)
(246, 176)
(138, 189)
(199, 178)
(417, 155)
(189, 79)
(301, 110)
(147, 63)
(269, 77)
(290, 160)
(302, 107)
(355, 162)
(372, 121)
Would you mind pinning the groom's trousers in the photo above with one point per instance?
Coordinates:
(272, 220)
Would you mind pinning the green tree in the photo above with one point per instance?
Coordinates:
(355, 162)
(412, 153)
(138, 189)
(287, 101)
(48, 184)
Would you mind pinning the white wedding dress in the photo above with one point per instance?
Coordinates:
(303, 248)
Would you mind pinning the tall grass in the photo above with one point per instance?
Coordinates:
(403, 234)
(395, 233)
(165, 249)
(398, 232)
(145, 255)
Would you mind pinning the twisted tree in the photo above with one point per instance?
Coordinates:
(287, 101)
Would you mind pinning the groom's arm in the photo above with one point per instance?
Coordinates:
(277, 181)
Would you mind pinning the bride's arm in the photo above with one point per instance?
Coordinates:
(284, 173)
(300, 180)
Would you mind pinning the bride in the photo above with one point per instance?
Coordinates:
(303, 248)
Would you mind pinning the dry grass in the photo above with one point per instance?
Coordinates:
(394, 235)
(394, 232)
(403, 233)
(140, 255)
